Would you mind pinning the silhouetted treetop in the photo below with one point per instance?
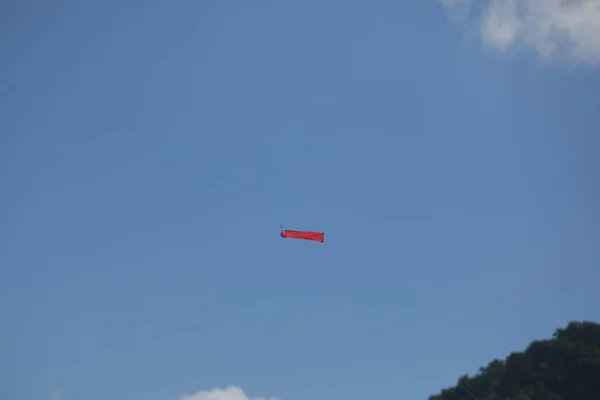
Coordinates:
(565, 367)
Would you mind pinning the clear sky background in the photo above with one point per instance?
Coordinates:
(149, 151)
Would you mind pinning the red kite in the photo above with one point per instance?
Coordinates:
(304, 235)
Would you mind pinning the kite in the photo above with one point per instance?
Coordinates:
(304, 235)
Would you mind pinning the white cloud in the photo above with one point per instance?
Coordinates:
(56, 396)
(550, 27)
(228, 393)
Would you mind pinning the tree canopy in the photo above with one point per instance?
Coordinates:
(565, 367)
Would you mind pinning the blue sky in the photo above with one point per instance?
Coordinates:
(150, 150)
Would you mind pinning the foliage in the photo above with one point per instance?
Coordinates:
(566, 367)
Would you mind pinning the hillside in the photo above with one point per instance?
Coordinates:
(565, 367)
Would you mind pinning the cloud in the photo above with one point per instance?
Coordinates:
(551, 28)
(228, 393)
(55, 396)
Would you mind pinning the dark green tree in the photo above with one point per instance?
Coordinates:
(565, 367)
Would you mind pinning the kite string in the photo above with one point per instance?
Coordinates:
(468, 391)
